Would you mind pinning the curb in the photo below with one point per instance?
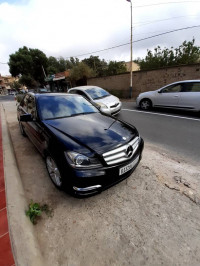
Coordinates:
(25, 247)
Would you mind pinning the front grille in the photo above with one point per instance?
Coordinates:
(115, 105)
(123, 153)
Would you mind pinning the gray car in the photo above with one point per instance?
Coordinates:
(107, 102)
(178, 95)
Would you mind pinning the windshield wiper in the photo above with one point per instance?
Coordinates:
(101, 97)
(59, 117)
(82, 114)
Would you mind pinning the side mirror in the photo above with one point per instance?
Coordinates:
(26, 118)
(159, 91)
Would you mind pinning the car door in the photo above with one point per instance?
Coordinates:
(168, 96)
(190, 96)
(34, 128)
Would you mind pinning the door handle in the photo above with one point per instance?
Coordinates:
(175, 96)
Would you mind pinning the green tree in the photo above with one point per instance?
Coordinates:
(115, 67)
(56, 65)
(186, 53)
(99, 66)
(29, 81)
(30, 64)
(73, 61)
(80, 73)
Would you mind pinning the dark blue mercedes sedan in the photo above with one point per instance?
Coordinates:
(85, 150)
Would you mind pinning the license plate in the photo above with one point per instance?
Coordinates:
(128, 167)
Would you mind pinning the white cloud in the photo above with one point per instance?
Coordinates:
(69, 28)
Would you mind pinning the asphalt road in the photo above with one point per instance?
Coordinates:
(5, 98)
(176, 131)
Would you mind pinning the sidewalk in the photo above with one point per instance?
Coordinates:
(6, 256)
(18, 244)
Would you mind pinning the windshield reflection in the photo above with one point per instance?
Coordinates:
(97, 93)
(60, 106)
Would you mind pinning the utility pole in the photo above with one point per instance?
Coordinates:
(131, 61)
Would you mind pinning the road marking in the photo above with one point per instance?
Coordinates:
(175, 116)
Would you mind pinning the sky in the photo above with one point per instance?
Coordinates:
(80, 28)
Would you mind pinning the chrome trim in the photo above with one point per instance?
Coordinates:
(86, 188)
(120, 154)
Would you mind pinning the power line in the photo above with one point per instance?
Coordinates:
(143, 23)
(143, 39)
(166, 3)
(124, 44)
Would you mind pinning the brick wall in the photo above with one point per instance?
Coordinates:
(145, 80)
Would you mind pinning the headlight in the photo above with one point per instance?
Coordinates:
(102, 105)
(81, 161)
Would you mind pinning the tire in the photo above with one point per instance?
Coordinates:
(54, 172)
(22, 129)
(145, 104)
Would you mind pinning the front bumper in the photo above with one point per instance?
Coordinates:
(138, 102)
(92, 181)
(112, 110)
(115, 110)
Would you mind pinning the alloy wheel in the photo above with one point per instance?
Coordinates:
(53, 171)
(145, 104)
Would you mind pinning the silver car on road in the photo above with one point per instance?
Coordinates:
(107, 102)
(178, 95)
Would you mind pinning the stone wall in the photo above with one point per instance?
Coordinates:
(145, 80)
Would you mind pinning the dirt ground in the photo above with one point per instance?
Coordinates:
(151, 218)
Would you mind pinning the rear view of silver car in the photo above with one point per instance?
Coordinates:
(183, 95)
(107, 102)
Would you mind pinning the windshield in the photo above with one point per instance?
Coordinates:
(60, 106)
(97, 93)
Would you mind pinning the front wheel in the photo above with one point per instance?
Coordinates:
(145, 104)
(54, 172)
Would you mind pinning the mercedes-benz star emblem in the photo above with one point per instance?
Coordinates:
(129, 151)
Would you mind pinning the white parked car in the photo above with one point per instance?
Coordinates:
(107, 102)
(178, 95)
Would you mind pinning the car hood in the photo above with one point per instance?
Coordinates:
(110, 100)
(97, 132)
(147, 94)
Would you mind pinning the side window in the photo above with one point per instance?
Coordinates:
(195, 87)
(172, 88)
(72, 92)
(24, 103)
(31, 107)
(83, 94)
(187, 87)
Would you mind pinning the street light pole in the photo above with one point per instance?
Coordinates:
(44, 71)
(131, 63)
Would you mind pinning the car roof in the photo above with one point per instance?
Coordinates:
(39, 95)
(185, 81)
(180, 81)
(192, 80)
(83, 88)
